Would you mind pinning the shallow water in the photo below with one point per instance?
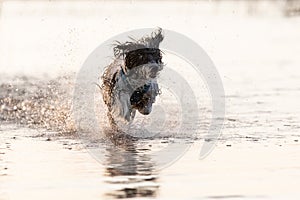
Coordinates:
(43, 155)
(32, 167)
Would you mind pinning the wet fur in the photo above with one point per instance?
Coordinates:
(132, 60)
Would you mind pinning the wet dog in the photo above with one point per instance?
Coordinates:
(129, 83)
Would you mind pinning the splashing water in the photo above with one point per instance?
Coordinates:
(38, 103)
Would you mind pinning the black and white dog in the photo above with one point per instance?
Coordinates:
(129, 83)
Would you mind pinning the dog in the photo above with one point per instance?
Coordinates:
(129, 83)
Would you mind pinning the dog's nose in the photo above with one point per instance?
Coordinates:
(146, 110)
(152, 61)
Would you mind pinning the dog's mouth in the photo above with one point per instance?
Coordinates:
(143, 98)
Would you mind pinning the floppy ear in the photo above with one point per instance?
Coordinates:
(121, 108)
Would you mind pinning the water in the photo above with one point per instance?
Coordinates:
(257, 156)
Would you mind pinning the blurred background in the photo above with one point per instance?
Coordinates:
(50, 37)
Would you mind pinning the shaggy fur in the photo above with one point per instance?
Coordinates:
(129, 83)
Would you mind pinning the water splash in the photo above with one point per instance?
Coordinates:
(38, 103)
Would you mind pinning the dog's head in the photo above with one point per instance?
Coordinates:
(142, 67)
(142, 63)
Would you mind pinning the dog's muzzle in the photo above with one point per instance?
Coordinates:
(143, 98)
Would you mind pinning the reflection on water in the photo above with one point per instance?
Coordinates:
(130, 171)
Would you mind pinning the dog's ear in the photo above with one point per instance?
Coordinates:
(121, 109)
